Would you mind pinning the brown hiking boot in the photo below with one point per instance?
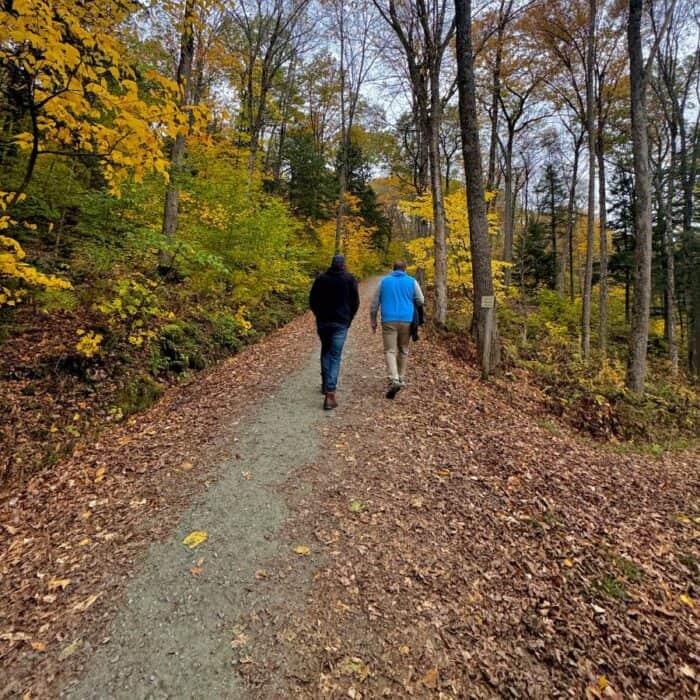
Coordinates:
(330, 403)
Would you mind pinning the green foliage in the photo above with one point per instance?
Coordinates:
(540, 334)
(137, 395)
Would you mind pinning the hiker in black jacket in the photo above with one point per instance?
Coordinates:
(334, 299)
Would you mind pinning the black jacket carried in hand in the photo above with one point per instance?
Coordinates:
(334, 297)
(418, 320)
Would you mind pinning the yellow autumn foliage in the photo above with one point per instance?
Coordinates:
(356, 240)
(85, 97)
(459, 267)
(15, 274)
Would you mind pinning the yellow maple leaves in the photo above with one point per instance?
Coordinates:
(15, 274)
(85, 96)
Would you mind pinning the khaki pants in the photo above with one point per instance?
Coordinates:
(396, 337)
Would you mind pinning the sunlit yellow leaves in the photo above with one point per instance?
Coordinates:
(195, 538)
(16, 274)
(86, 94)
(687, 600)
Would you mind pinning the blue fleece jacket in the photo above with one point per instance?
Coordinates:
(396, 295)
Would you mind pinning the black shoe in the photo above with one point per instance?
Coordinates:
(394, 388)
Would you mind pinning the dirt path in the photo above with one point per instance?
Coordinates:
(456, 542)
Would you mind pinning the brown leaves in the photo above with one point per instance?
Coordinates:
(487, 539)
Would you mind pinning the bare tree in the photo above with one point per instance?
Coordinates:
(425, 28)
(266, 35)
(357, 56)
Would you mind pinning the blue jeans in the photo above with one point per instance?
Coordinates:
(332, 337)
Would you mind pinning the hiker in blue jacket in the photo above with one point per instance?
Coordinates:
(397, 295)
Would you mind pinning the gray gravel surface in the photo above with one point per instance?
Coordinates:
(172, 637)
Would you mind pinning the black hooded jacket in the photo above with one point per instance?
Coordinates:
(334, 297)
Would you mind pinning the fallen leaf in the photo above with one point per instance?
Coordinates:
(10, 530)
(240, 640)
(443, 472)
(186, 466)
(261, 573)
(357, 506)
(513, 483)
(85, 541)
(404, 650)
(603, 683)
(430, 679)
(568, 562)
(687, 671)
(302, 549)
(417, 502)
(100, 474)
(56, 583)
(87, 603)
(195, 538)
(70, 650)
(38, 646)
(687, 600)
(196, 570)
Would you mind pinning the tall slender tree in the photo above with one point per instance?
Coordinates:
(177, 154)
(641, 296)
(484, 326)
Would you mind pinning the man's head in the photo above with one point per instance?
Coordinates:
(338, 262)
(400, 265)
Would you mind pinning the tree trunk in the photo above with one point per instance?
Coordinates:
(553, 224)
(484, 326)
(641, 294)
(184, 79)
(590, 229)
(671, 334)
(439, 226)
(567, 256)
(494, 111)
(508, 208)
(602, 217)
